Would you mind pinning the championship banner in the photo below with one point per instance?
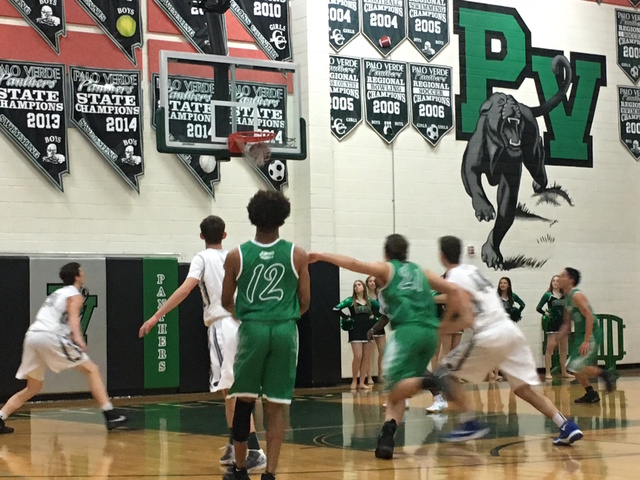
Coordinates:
(32, 114)
(162, 345)
(187, 95)
(344, 22)
(272, 114)
(345, 81)
(383, 24)
(429, 26)
(107, 108)
(267, 21)
(385, 89)
(629, 110)
(431, 101)
(46, 17)
(191, 21)
(120, 20)
(634, 2)
(628, 40)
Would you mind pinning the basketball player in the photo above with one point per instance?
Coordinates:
(54, 341)
(409, 305)
(496, 341)
(587, 339)
(207, 271)
(272, 279)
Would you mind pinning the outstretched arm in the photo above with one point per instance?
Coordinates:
(172, 302)
(301, 262)
(380, 270)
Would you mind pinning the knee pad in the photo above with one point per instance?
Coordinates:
(242, 420)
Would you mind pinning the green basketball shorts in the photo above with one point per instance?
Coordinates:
(408, 353)
(575, 362)
(266, 360)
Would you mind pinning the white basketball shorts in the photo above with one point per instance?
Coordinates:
(223, 344)
(501, 345)
(42, 350)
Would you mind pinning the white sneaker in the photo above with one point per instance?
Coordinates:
(228, 457)
(439, 404)
(255, 459)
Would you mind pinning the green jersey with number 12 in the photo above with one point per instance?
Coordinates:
(267, 282)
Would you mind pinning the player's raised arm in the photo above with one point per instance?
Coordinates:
(380, 270)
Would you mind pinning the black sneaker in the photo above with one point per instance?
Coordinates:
(385, 446)
(609, 380)
(589, 397)
(235, 473)
(268, 476)
(4, 428)
(114, 419)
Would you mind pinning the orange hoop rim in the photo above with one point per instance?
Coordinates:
(237, 139)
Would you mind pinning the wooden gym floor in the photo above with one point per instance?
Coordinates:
(332, 435)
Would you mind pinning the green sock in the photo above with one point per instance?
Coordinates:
(253, 442)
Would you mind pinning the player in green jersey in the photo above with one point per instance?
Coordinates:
(405, 289)
(583, 356)
(271, 277)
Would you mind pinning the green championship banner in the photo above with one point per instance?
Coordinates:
(162, 345)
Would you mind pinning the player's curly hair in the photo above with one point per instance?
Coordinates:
(69, 272)
(268, 210)
(396, 247)
(212, 229)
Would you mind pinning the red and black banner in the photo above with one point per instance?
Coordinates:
(32, 114)
(190, 114)
(107, 109)
(267, 21)
(191, 21)
(120, 20)
(46, 17)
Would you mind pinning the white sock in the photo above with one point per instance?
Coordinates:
(107, 406)
(466, 416)
(559, 419)
(3, 416)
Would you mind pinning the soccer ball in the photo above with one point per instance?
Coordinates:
(634, 71)
(277, 171)
(432, 132)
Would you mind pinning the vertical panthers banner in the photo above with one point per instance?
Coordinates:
(429, 26)
(629, 113)
(431, 101)
(628, 39)
(46, 17)
(120, 20)
(162, 345)
(191, 21)
(384, 24)
(385, 90)
(344, 22)
(107, 108)
(186, 95)
(346, 97)
(272, 108)
(267, 21)
(32, 114)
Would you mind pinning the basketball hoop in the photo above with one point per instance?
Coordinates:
(252, 146)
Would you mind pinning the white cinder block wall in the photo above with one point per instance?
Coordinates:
(351, 194)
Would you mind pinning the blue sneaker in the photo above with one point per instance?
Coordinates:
(569, 433)
(470, 430)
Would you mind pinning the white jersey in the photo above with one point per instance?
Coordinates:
(53, 316)
(208, 268)
(487, 306)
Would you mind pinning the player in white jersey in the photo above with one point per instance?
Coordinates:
(207, 271)
(54, 341)
(496, 341)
